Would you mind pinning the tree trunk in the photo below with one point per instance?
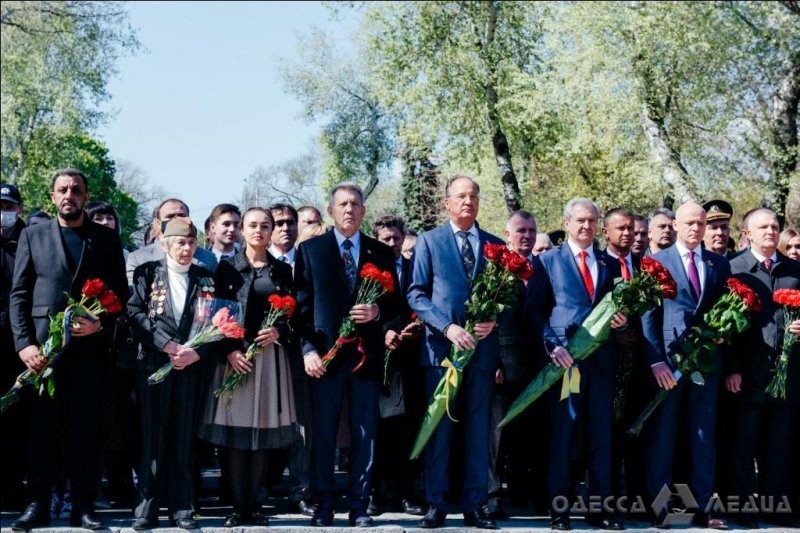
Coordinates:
(672, 170)
(784, 140)
(502, 153)
(374, 157)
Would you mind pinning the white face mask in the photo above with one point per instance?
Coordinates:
(7, 218)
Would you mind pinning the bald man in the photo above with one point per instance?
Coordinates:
(700, 275)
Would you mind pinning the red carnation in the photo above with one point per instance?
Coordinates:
(93, 287)
(493, 251)
(787, 297)
(370, 271)
(387, 281)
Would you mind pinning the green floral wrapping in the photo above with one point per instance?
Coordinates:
(592, 333)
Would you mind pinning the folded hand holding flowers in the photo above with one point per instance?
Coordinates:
(208, 326)
(96, 299)
(280, 307)
(790, 300)
(695, 357)
(374, 284)
(646, 290)
(493, 290)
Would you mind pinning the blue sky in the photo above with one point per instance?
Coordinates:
(202, 105)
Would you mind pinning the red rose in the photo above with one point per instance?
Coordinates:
(108, 299)
(745, 293)
(513, 262)
(493, 252)
(115, 307)
(526, 272)
(93, 287)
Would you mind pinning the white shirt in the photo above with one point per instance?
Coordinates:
(355, 239)
(760, 258)
(627, 259)
(474, 239)
(277, 254)
(178, 276)
(220, 255)
(591, 261)
(683, 251)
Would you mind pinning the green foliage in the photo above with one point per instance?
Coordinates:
(51, 149)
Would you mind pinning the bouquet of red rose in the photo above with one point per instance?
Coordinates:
(374, 284)
(493, 290)
(790, 300)
(96, 299)
(695, 357)
(214, 319)
(646, 290)
(279, 307)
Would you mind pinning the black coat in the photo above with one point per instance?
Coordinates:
(42, 277)
(153, 329)
(323, 300)
(753, 353)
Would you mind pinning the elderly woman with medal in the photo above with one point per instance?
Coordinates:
(161, 312)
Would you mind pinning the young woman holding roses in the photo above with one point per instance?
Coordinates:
(260, 413)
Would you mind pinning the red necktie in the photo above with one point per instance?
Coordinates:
(626, 274)
(768, 264)
(586, 275)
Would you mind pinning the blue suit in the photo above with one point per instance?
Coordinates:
(662, 328)
(438, 293)
(557, 302)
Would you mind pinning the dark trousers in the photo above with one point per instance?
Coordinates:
(701, 417)
(473, 402)
(15, 423)
(768, 425)
(593, 411)
(327, 394)
(168, 416)
(72, 417)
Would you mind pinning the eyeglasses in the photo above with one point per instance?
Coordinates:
(461, 198)
(286, 222)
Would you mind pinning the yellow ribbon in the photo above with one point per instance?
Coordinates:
(450, 380)
(571, 385)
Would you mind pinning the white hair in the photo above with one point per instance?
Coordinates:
(580, 201)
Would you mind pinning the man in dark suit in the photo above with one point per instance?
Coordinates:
(567, 283)
(750, 364)
(55, 258)
(326, 272)
(445, 259)
(510, 452)
(700, 275)
(402, 400)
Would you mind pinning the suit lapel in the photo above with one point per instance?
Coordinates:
(602, 271)
(451, 248)
(169, 315)
(706, 277)
(336, 258)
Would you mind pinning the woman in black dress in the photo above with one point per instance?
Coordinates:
(260, 414)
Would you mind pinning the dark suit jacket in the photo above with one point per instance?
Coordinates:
(664, 325)
(754, 352)
(42, 277)
(323, 302)
(556, 300)
(517, 342)
(154, 330)
(439, 292)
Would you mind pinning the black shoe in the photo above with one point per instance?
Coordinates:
(259, 519)
(560, 523)
(409, 507)
(233, 520)
(88, 520)
(186, 523)
(144, 523)
(305, 507)
(433, 519)
(34, 516)
(360, 519)
(604, 523)
(372, 508)
(478, 518)
(322, 519)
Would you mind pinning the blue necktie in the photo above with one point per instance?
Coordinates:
(349, 265)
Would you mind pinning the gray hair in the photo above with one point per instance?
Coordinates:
(542, 235)
(167, 242)
(749, 215)
(669, 213)
(346, 186)
(580, 201)
(460, 177)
